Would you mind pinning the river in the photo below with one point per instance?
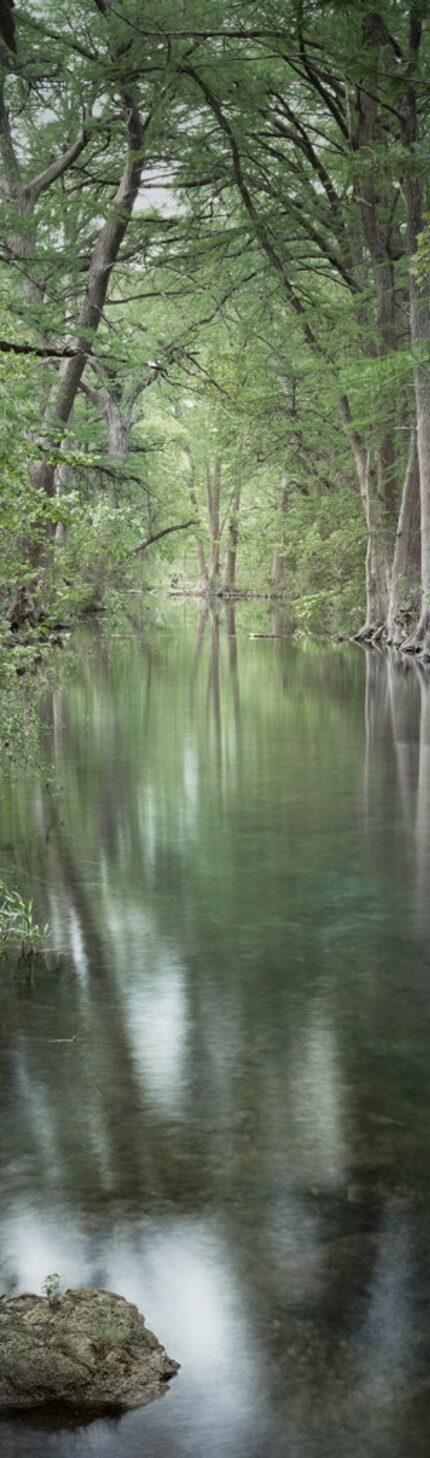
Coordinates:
(230, 839)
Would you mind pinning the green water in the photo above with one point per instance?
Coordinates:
(236, 871)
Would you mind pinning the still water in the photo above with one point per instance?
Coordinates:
(234, 858)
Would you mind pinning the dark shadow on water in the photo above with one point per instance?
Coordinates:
(54, 1418)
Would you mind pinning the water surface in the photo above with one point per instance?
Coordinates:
(235, 868)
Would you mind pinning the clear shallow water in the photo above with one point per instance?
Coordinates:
(236, 870)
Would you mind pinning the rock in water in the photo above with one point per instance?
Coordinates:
(89, 1350)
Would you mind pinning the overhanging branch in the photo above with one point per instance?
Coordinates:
(40, 351)
(181, 526)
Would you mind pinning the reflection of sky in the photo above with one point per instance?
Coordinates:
(35, 1104)
(191, 775)
(148, 823)
(180, 1274)
(284, 1070)
(185, 1282)
(156, 1018)
(35, 1113)
(77, 946)
(388, 1321)
(34, 1245)
(317, 1097)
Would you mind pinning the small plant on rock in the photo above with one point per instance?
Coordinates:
(51, 1288)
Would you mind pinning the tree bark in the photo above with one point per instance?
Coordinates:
(203, 578)
(22, 196)
(213, 489)
(104, 255)
(117, 433)
(233, 540)
(405, 553)
(118, 427)
(371, 192)
(278, 559)
(420, 329)
(378, 556)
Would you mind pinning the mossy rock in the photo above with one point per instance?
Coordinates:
(89, 1350)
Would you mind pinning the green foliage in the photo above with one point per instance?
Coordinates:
(422, 256)
(108, 1333)
(245, 300)
(18, 927)
(323, 559)
(51, 1288)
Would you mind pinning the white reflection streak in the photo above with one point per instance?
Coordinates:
(318, 1098)
(185, 1283)
(38, 1112)
(79, 955)
(157, 1019)
(191, 784)
(35, 1245)
(148, 824)
(389, 1321)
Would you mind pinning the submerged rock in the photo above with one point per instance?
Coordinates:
(89, 1350)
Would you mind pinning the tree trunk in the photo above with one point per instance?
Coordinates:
(405, 554)
(374, 201)
(278, 559)
(203, 577)
(22, 197)
(378, 556)
(420, 336)
(63, 482)
(104, 255)
(118, 427)
(233, 539)
(118, 421)
(423, 436)
(213, 489)
(377, 587)
(420, 330)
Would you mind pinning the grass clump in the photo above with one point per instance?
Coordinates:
(18, 927)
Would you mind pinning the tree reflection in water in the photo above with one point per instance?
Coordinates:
(235, 871)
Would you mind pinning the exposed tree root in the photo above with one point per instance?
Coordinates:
(418, 642)
(396, 637)
(415, 643)
(371, 633)
(395, 634)
(365, 633)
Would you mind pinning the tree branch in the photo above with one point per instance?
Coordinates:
(198, 34)
(141, 546)
(259, 229)
(97, 397)
(40, 351)
(56, 169)
(7, 24)
(322, 90)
